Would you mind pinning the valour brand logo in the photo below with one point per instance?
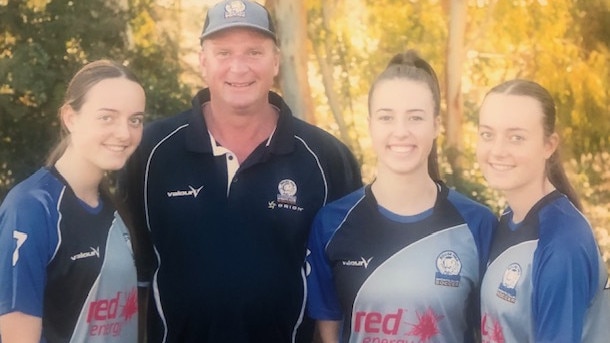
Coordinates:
(357, 263)
(194, 192)
(93, 252)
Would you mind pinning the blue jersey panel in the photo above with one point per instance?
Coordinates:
(28, 240)
(546, 281)
(67, 263)
(402, 281)
(323, 302)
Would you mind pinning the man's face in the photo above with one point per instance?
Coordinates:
(239, 66)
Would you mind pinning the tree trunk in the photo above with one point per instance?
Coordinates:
(324, 54)
(291, 26)
(455, 112)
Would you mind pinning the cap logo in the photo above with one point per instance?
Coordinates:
(235, 9)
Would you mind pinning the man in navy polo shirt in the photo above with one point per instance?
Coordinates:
(227, 192)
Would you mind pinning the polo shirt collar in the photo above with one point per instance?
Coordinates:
(198, 138)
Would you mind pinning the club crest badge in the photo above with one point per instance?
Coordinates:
(235, 9)
(287, 192)
(286, 197)
(448, 268)
(508, 288)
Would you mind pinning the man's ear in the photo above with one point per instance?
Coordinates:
(276, 62)
(202, 65)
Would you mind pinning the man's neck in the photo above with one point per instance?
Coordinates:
(240, 132)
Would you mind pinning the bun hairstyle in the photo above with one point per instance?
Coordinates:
(554, 169)
(410, 66)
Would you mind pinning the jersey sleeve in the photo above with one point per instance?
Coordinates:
(481, 222)
(484, 230)
(322, 300)
(28, 239)
(565, 274)
(343, 172)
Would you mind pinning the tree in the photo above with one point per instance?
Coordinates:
(44, 44)
(291, 21)
(457, 12)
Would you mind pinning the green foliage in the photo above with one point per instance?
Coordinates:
(42, 46)
(155, 57)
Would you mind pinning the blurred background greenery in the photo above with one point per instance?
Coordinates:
(331, 51)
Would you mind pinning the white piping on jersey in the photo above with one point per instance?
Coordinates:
(157, 297)
(319, 167)
(344, 218)
(155, 288)
(152, 152)
(303, 302)
(59, 217)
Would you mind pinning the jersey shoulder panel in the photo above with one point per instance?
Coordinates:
(340, 167)
(471, 210)
(32, 206)
(28, 240)
(321, 142)
(161, 128)
(330, 217)
(322, 298)
(561, 223)
(566, 274)
(480, 220)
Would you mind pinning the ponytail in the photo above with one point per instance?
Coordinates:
(410, 66)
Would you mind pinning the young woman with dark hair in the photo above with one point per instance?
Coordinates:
(67, 270)
(546, 280)
(401, 259)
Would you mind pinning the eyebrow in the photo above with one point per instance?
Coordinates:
(116, 111)
(383, 109)
(483, 126)
(107, 109)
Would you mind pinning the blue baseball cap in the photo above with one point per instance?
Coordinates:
(238, 13)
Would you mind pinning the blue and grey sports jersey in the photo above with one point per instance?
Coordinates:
(230, 237)
(399, 279)
(546, 280)
(66, 262)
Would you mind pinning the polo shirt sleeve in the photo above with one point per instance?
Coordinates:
(322, 300)
(28, 239)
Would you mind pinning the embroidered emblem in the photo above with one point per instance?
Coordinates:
(235, 9)
(448, 268)
(286, 197)
(508, 288)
